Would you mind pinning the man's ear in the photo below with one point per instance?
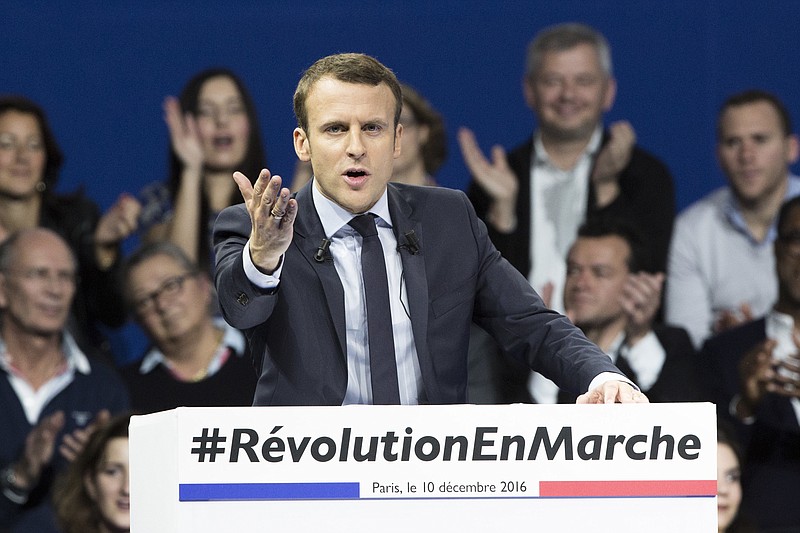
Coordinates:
(301, 147)
(792, 149)
(528, 92)
(206, 288)
(398, 136)
(610, 94)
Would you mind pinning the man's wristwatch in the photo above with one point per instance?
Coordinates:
(10, 484)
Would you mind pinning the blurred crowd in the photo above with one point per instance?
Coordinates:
(701, 305)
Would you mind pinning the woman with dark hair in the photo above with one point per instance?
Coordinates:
(93, 496)
(30, 160)
(729, 484)
(213, 131)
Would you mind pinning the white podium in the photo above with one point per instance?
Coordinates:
(427, 468)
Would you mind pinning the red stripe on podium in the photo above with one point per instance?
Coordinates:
(564, 489)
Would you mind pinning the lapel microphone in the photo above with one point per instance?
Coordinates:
(322, 252)
(411, 242)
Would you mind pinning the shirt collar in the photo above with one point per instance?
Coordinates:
(334, 217)
(75, 358)
(540, 154)
(733, 212)
(231, 338)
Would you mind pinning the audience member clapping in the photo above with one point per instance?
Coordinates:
(213, 131)
(49, 390)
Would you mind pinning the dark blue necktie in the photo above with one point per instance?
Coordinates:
(382, 365)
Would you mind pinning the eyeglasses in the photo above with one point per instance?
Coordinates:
(169, 289)
(11, 142)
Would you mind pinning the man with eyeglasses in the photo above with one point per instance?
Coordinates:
(50, 391)
(720, 270)
(194, 359)
(753, 372)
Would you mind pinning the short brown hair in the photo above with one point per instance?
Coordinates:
(349, 68)
(562, 37)
(754, 96)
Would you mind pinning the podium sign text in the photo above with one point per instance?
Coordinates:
(393, 468)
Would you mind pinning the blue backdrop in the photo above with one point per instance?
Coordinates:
(101, 69)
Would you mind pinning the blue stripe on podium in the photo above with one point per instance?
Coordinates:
(203, 492)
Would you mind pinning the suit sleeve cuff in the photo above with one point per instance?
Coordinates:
(256, 277)
(610, 376)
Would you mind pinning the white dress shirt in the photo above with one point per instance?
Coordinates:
(780, 328)
(33, 401)
(345, 249)
(558, 208)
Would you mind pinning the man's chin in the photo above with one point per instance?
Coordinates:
(45, 332)
(565, 133)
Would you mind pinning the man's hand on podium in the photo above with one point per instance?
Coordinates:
(613, 392)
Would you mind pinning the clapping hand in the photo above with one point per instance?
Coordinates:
(116, 224)
(760, 372)
(495, 177)
(641, 298)
(613, 157)
(183, 135)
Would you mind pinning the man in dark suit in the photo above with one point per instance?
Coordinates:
(288, 269)
(753, 374)
(534, 198)
(612, 297)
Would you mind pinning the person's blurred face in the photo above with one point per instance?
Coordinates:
(351, 141)
(169, 301)
(787, 262)
(570, 93)
(222, 123)
(36, 292)
(415, 135)
(753, 151)
(597, 270)
(108, 487)
(22, 154)
(729, 487)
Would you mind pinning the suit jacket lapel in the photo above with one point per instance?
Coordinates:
(405, 219)
(308, 235)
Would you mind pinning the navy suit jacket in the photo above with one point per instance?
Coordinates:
(299, 328)
(679, 379)
(720, 359)
(771, 470)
